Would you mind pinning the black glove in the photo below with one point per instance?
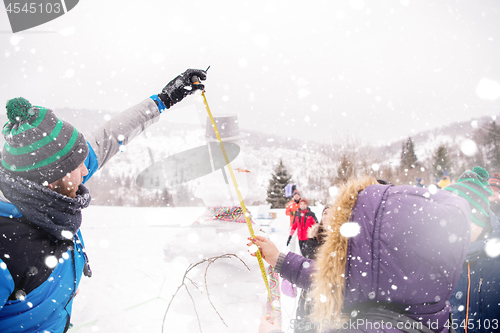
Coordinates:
(288, 241)
(182, 86)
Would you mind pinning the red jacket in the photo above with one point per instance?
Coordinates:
(291, 208)
(303, 220)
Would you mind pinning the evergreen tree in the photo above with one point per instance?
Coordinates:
(276, 189)
(345, 169)
(492, 145)
(166, 198)
(442, 162)
(408, 156)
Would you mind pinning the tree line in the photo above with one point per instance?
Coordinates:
(343, 161)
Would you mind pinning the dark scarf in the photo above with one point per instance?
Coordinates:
(55, 213)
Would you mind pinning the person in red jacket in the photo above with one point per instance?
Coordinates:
(303, 220)
(293, 206)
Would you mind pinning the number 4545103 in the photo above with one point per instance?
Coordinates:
(15, 7)
(473, 324)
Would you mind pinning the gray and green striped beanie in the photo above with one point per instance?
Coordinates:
(39, 146)
(474, 187)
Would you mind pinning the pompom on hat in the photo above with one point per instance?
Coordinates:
(39, 146)
(474, 187)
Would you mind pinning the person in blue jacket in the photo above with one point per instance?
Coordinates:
(45, 162)
(476, 298)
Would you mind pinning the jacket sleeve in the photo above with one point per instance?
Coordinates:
(294, 226)
(314, 217)
(288, 210)
(311, 221)
(105, 142)
(297, 270)
(6, 284)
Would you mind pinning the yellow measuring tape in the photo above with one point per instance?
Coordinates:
(240, 198)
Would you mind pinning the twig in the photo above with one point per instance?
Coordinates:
(211, 260)
(194, 284)
(183, 284)
(194, 306)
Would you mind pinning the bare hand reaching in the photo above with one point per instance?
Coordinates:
(268, 250)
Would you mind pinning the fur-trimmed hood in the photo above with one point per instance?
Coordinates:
(406, 248)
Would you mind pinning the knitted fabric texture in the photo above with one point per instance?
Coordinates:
(39, 146)
(473, 186)
(494, 182)
(55, 213)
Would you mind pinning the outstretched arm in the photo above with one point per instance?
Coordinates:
(105, 142)
(293, 267)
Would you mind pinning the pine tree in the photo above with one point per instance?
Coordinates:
(345, 169)
(442, 162)
(492, 145)
(276, 189)
(166, 198)
(408, 156)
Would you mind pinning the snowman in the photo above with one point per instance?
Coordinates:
(222, 226)
(221, 229)
(217, 189)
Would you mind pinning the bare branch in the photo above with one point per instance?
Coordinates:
(194, 306)
(185, 277)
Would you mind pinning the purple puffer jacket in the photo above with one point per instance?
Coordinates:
(408, 253)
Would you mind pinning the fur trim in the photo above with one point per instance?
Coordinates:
(328, 280)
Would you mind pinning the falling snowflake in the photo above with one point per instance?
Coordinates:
(488, 89)
(350, 229)
(67, 234)
(468, 147)
(253, 248)
(492, 248)
(433, 189)
(333, 191)
(51, 261)
(452, 238)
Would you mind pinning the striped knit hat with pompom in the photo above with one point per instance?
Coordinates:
(473, 186)
(39, 146)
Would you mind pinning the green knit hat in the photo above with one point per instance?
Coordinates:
(39, 146)
(474, 187)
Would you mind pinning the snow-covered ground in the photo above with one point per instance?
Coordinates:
(133, 280)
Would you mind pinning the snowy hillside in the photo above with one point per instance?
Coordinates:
(311, 164)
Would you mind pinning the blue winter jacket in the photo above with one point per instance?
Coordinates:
(42, 300)
(479, 285)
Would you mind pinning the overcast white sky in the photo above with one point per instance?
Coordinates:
(309, 69)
